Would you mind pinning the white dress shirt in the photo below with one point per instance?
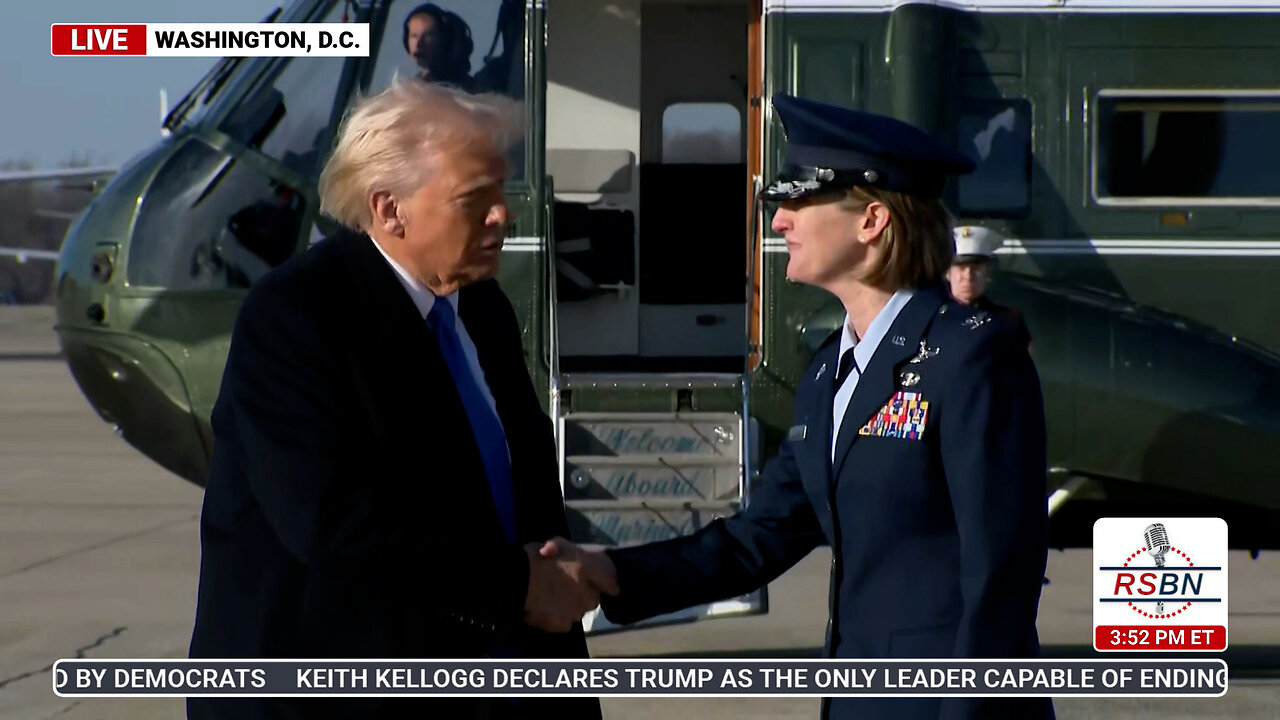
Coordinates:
(423, 298)
(863, 350)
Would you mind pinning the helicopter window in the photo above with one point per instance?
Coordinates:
(998, 138)
(207, 93)
(1188, 146)
(287, 115)
(212, 221)
(702, 133)
(477, 45)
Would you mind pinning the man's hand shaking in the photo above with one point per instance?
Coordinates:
(565, 583)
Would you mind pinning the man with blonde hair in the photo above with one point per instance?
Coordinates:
(382, 470)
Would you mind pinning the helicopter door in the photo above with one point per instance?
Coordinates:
(592, 146)
(645, 146)
(693, 174)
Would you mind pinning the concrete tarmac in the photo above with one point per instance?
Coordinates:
(99, 554)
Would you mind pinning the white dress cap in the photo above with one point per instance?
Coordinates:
(975, 240)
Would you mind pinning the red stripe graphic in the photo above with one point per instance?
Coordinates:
(1160, 637)
(83, 39)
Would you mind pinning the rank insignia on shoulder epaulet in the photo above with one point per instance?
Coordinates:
(980, 318)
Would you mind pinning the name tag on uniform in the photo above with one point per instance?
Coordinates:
(797, 433)
(904, 417)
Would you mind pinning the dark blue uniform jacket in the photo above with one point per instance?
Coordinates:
(939, 540)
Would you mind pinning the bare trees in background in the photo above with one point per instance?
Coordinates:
(713, 146)
(35, 216)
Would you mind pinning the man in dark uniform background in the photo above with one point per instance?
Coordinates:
(918, 449)
(971, 272)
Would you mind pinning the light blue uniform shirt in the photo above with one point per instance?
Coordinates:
(863, 350)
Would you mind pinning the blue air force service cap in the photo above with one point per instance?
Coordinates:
(831, 148)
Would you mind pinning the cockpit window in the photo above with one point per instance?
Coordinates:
(477, 45)
(1197, 147)
(287, 115)
(205, 93)
(196, 102)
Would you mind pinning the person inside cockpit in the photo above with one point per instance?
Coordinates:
(439, 41)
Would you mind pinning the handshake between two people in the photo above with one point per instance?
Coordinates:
(565, 583)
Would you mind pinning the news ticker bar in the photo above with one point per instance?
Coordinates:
(210, 39)
(638, 677)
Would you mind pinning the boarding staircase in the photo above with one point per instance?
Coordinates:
(647, 457)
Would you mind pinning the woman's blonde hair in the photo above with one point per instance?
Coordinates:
(916, 247)
(392, 140)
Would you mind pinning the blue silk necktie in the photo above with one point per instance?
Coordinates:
(485, 424)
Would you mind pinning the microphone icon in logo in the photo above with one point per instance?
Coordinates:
(1157, 542)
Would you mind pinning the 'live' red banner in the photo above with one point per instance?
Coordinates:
(80, 39)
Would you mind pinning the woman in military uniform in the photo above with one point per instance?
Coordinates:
(918, 450)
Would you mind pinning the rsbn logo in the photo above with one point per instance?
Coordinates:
(1165, 573)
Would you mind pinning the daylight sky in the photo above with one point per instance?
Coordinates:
(105, 109)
